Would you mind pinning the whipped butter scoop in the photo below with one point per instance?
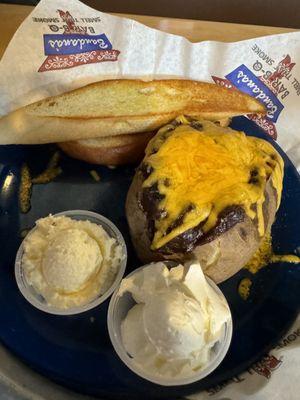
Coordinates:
(70, 262)
(175, 324)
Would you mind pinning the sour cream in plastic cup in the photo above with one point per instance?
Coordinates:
(117, 311)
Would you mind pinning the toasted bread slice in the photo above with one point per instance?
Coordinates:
(110, 150)
(118, 107)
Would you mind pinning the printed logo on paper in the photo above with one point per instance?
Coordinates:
(269, 88)
(243, 79)
(266, 366)
(75, 43)
(74, 46)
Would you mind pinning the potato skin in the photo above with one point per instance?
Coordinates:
(123, 149)
(222, 257)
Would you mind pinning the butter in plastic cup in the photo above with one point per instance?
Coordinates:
(38, 301)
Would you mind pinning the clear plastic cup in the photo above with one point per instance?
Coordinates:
(38, 301)
(117, 311)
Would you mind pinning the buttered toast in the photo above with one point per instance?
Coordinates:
(121, 106)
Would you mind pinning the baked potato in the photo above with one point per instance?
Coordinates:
(239, 178)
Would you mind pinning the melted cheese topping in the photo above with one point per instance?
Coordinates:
(206, 171)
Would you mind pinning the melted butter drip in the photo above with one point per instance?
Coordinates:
(209, 170)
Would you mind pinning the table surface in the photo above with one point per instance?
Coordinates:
(195, 31)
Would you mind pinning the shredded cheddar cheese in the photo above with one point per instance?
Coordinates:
(262, 256)
(265, 255)
(51, 172)
(289, 258)
(208, 170)
(25, 189)
(94, 174)
(244, 288)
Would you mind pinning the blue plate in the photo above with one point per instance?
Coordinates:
(75, 351)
